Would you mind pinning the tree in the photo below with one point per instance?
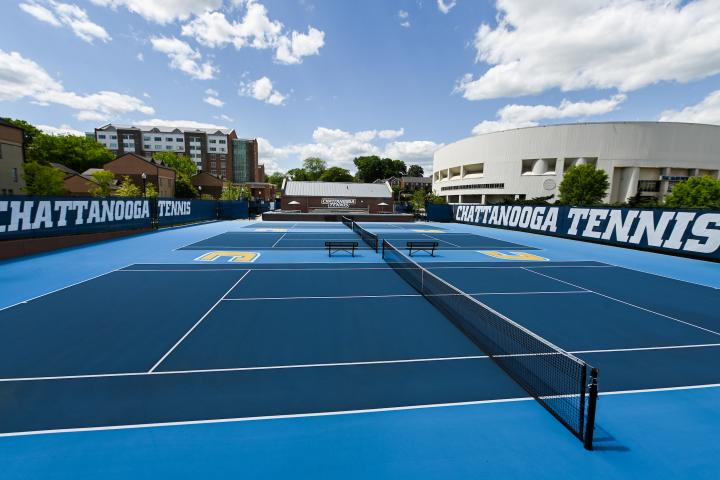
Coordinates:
(298, 174)
(418, 199)
(336, 174)
(233, 191)
(415, 171)
(182, 164)
(43, 179)
(29, 131)
(184, 187)
(373, 168)
(127, 188)
(78, 153)
(583, 185)
(103, 183)
(276, 179)
(435, 199)
(150, 190)
(695, 192)
(314, 167)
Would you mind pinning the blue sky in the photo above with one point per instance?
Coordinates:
(341, 78)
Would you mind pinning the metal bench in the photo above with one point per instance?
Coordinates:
(335, 246)
(422, 246)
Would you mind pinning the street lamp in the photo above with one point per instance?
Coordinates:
(144, 177)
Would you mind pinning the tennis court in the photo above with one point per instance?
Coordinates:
(240, 364)
(288, 339)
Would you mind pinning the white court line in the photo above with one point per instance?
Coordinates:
(393, 295)
(445, 241)
(429, 266)
(196, 241)
(629, 304)
(336, 413)
(198, 322)
(278, 240)
(119, 269)
(339, 364)
(633, 269)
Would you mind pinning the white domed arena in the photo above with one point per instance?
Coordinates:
(526, 163)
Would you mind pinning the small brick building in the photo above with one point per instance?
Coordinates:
(134, 165)
(208, 184)
(309, 197)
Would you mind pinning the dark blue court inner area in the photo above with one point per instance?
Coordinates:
(174, 343)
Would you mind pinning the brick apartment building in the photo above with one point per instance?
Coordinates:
(11, 159)
(134, 165)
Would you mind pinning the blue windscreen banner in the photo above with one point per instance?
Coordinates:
(173, 211)
(693, 233)
(439, 212)
(28, 216)
(233, 209)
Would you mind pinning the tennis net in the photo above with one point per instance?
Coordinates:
(347, 222)
(369, 238)
(565, 385)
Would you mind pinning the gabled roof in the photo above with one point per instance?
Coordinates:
(162, 129)
(66, 170)
(337, 189)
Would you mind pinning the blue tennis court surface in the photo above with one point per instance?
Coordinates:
(343, 368)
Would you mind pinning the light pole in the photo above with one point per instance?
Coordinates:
(144, 178)
(200, 190)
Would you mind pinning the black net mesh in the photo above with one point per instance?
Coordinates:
(552, 376)
(347, 222)
(370, 238)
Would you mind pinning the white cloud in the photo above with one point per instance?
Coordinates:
(262, 89)
(41, 13)
(163, 11)
(72, 16)
(519, 116)
(224, 118)
(446, 5)
(212, 98)
(290, 50)
(255, 30)
(183, 57)
(570, 45)
(706, 111)
(339, 147)
(158, 122)
(405, 24)
(403, 15)
(23, 78)
(61, 130)
(140, 57)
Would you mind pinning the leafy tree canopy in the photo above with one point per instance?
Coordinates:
(373, 168)
(583, 185)
(276, 179)
(181, 163)
(184, 187)
(127, 188)
(436, 199)
(30, 131)
(314, 167)
(695, 192)
(298, 174)
(234, 192)
(336, 174)
(43, 179)
(415, 171)
(78, 153)
(102, 186)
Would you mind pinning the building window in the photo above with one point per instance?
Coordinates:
(212, 140)
(113, 146)
(213, 164)
(146, 147)
(213, 149)
(476, 185)
(179, 147)
(158, 139)
(179, 139)
(168, 139)
(15, 175)
(648, 185)
(113, 137)
(101, 136)
(221, 141)
(169, 147)
(126, 145)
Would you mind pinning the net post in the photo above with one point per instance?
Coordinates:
(592, 406)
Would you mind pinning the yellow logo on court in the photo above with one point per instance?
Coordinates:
(235, 257)
(429, 231)
(277, 230)
(510, 255)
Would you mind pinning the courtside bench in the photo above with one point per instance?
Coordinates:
(422, 246)
(335, 246)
